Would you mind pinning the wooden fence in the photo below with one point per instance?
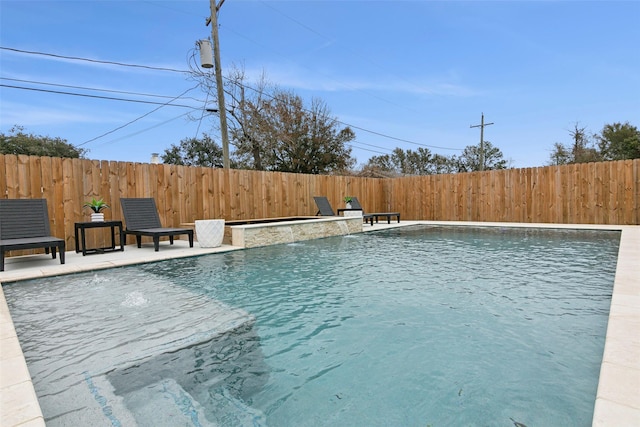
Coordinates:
(588, 193)
(599, 193)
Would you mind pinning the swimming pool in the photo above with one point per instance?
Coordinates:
(374, 330)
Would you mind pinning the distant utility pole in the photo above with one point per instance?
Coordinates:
(213, 20)
(481, 126)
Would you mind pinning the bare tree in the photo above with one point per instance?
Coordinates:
(272, 129)
(581, 150)
(560, 155)
(303, 141)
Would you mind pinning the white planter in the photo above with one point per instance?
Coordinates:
(348, 205)
(97, 217)
(209, 232)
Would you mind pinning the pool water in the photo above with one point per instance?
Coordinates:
(418, 326)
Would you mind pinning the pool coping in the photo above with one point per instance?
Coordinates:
(618, 395)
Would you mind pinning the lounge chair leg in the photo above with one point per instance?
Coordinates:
(171, 240)
(139, 241)
(62, 255)
(156, 243)
(190, 240)
(53, 252)
(2, 261)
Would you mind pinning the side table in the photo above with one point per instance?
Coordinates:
(350, 211)
(81, 243)
(356, 212)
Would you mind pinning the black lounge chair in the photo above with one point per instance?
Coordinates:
(141, 219)
(325, 209)
(356, 205)
(24, 224)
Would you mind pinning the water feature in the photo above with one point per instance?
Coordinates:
(265, 233)
(343, 228)
(419, 326)
(293, 239)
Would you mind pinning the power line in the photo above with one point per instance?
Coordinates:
(144, 130)
(202, 115)
(98, 61)
(398, 139)
(97, 96)
(353, 126)
(195, 108)
(178, 105)
(366, 149)
(134, 120)
(90, 88)
(374, 146)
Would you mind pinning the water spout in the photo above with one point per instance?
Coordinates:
(343, 228)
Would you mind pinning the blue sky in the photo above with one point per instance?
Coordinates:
(404, 74)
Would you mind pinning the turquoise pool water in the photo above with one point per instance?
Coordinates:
(409, 327)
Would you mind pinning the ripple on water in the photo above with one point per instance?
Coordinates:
(411, 326)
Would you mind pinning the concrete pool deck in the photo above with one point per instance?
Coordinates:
(618, 396)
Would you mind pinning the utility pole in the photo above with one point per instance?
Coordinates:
(481, 126)
(213, 20)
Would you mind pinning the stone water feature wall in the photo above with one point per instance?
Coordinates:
(254, 235)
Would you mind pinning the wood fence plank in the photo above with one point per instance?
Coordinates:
(631, 192)
(634, 184)
(3, 172)
(11, 174)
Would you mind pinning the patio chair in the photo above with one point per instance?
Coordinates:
(325, 209)
(141, 219)
(356, 205)
(24, 224)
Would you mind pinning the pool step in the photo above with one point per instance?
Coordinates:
(88, 401)
(168, 401)
(231, 411)
(162, 404)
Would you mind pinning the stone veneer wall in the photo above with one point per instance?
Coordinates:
(254, 235)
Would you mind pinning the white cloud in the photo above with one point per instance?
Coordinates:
(292, 76)
(28, 115)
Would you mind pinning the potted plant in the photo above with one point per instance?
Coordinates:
(347, 201)
(96, 206)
